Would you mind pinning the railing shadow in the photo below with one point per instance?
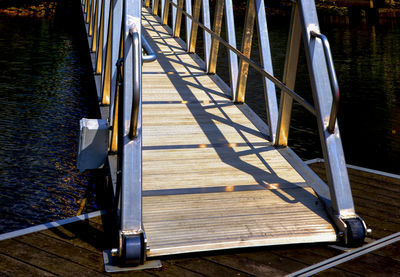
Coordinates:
(209, 125)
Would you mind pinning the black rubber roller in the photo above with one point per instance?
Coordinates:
(355, 232)
(133, 250)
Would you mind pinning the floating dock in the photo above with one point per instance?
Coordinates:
(76, 248)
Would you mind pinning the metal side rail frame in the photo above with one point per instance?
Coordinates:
(132, 239)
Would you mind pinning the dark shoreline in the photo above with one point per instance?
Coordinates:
(281, 9)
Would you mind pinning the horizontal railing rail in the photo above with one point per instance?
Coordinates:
(253, 64)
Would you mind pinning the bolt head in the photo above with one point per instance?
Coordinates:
(114, 252)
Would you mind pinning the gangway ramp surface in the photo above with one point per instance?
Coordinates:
(211, 179)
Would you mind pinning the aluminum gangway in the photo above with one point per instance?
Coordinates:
(193, 167)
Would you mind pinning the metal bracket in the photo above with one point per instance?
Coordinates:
(351, 231)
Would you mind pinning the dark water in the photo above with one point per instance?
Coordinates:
(367, 60)
(45, 88)
(367, 63)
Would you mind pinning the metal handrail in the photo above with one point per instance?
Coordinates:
(133, 130)
(151, 55)
(332, 79)
(254, 65)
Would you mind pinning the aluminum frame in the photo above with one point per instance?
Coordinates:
(342, 204)
(131, 159)
(304, 23)
(289, 77)
(106, 86)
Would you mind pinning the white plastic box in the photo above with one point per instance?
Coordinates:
(93, 143)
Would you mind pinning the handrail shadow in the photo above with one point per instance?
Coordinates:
(207, 123)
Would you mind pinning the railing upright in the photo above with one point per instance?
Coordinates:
(116, 53)
(89, 18)
(289, 77)
(218, 15)
(86, 9)
(127, 129)
(102, 38)
(155, 6)
(95, 22)
(106, 87)
(188, 6)
(191, 45)
(174, 16)
(256, 10)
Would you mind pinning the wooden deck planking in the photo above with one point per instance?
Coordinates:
(368, 188)
(211, 179)
(80, 245)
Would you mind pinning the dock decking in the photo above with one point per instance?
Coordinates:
(76, 249)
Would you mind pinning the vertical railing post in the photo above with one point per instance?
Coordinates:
(154, 6)
(90, 17)
(246, 50)
(289, 77)
(106, 87)
(162, 8)
(207, 36)
(231, 34)
(131, 232)
(178, 19)
(218, 15)
(188, 6)
(114, 114)
(164, 11)
(115, 52)
(195, 27)
(102, 33)
(174, 14)
(266, 62)
(95, 24)
(86, 9)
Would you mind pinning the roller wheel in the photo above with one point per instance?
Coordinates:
(133, 250)
(355, 232)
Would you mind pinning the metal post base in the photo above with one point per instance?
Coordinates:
(111, 264)
(355, 232)
(351, 231)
